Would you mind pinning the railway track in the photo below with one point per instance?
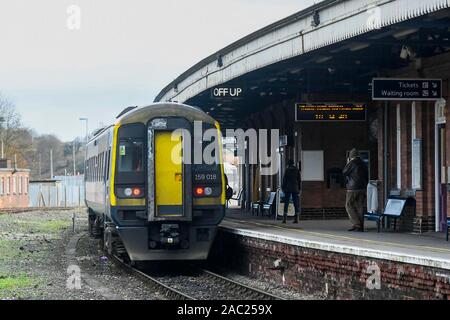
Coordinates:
(200, 283)
(166, 291)
(245, 291)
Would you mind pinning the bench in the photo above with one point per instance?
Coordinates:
(237, 198)
(264, 206)
(394, 209)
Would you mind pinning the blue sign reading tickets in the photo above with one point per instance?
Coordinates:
(330, 112)
(406, 89)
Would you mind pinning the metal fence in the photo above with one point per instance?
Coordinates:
(64, 191)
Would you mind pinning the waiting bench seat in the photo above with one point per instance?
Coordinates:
(395, 208)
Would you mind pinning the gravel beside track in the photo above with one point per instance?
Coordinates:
(37, 248)
(34, 260)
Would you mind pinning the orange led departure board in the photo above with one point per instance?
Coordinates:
(330, 112)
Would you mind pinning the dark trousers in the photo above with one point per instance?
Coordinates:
(355, 204)
(295, 199)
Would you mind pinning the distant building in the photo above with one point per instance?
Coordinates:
(14, 185)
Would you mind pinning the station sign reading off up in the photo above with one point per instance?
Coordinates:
(406, 89)
(330, 112)
(226, 92)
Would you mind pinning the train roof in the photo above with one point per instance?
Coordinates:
(145, 113)
(167, 109)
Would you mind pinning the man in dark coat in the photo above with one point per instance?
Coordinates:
(291, 187)
(356, 174)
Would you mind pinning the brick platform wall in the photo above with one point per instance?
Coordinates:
(324, 213)
(327, 274)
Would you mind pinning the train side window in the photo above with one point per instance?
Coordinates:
(89, 170)
(96, 167)
(105, 173)
(108, 161)
(100, 167)
(102, 173)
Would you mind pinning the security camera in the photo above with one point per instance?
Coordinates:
(407, 52)
(404, 53)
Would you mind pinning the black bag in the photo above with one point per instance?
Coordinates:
(229, 193)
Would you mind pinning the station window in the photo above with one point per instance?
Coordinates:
(27, 181)
(8, 186)
(2, 186)
(20, 185)
(14, 186)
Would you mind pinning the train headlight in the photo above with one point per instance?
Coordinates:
(208, 191)
(199, 191)
(137, 192)
(128, 192)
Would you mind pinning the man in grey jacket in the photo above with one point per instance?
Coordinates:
(356, 174)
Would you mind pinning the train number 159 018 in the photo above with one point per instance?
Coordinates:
(205, 177)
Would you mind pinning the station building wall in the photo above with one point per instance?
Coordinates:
(14, 188)
(418, 119)
(325, 198)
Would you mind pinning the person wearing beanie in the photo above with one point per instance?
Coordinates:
(356, 174)
(291, 187)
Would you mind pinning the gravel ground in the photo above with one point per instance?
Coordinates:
(100, 269)
(32, 256)
(37, 248)
(199, 287)
(34, 261)
(203, 287)
(278, 290)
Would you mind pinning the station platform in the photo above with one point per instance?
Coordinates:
(428, 250)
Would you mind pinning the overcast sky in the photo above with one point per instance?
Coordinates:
(124, 53)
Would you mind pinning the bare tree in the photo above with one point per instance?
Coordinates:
(33, 150)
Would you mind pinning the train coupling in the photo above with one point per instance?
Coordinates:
(170, 235)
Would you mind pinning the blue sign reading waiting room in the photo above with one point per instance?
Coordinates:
(406, 89)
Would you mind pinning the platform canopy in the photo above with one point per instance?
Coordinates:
(332, 47)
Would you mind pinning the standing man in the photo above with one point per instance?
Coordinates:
(291, 187)
(356, 174)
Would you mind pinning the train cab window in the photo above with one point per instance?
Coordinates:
(131, 156)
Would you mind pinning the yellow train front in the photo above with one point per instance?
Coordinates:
(144, 199)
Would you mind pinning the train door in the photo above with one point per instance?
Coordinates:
(168, 174)
(169, 178)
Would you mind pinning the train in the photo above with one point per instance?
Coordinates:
(144, 204)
